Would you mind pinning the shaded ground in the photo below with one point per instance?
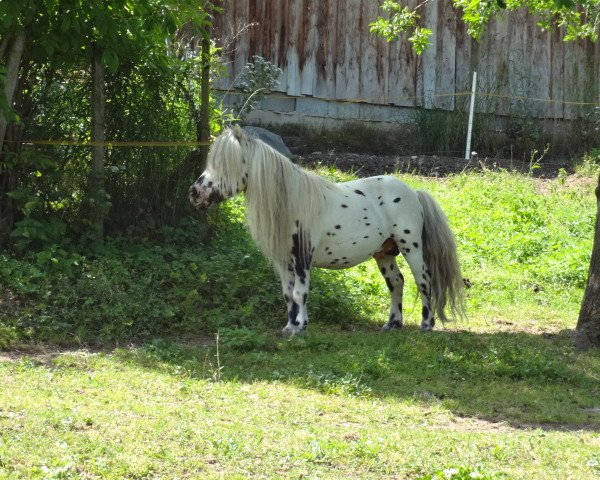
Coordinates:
(365, 165)
(367, 151)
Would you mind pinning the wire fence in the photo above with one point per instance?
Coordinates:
(399, 102)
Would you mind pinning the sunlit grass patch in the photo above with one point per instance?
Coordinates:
(329, 405)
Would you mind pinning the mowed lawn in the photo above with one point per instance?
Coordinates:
(502, 394)
(330, 405)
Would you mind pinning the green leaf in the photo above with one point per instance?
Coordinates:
(111, 60)
(421, 39)
(66, 24)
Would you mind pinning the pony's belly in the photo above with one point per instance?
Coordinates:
(336, 255)
(343, 262)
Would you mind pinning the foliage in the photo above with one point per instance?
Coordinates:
(589, 164)
(151, 96)
(64, 31)
(401, 19)
(579, 18)
(257, 78)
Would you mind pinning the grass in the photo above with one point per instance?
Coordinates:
(209, 390)
(327, 405)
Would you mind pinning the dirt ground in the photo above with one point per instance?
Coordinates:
(365, 165)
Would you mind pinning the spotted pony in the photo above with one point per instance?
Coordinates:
(300, 220)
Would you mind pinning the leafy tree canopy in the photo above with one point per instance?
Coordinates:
(578, 18)
(64, 30)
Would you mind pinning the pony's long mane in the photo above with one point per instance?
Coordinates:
(278, 193)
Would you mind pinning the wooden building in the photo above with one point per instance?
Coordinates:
(334, 68)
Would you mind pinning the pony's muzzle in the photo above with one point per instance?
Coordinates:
(201, 197)
(196, 197)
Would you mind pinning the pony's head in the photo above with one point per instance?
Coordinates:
(226, 172)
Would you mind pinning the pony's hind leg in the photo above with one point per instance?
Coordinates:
(422, 275)
(395, 283)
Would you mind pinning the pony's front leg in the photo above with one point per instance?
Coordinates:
(287, 277)
(295, 292)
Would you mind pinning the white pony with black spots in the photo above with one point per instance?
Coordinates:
(300, 220)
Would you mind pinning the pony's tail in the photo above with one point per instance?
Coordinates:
(439, 251)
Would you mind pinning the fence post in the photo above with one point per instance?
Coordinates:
(471, 112)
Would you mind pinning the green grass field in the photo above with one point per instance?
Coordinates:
(162, 359)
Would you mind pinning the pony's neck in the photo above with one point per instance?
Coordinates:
(279, 196)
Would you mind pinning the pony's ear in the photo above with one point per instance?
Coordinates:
(238, 132)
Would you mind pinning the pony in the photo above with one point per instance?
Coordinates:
(300, 220)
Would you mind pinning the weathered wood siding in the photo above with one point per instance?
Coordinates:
(326, 52)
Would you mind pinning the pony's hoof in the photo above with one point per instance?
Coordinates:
(388, 327)
(427, 326)
(291, 330)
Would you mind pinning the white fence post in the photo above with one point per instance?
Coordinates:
(471, 112)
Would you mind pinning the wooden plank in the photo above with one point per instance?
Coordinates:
(255, 37)
(280, 18)
(539, 69)
(518, 74)
(402, 75)
(592, 88)
(373, 61)
(557, 74)
(462, 70)
(308, 47)
(325, 38)
(492, 69)
(426, 81)
(574, 80)
(347, 72)
(241, 15)
(260, 28)
(224, 38)
(445, 77)
(292, 61)
(403, 68)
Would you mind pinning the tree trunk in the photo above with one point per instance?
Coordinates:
(8, 180)
(204, 99)
(12, 74)
(588, 325)
(96, 192)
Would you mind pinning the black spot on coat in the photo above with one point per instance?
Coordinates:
(301, 254)
(294, 314)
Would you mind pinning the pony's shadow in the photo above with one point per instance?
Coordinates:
(520, 379)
